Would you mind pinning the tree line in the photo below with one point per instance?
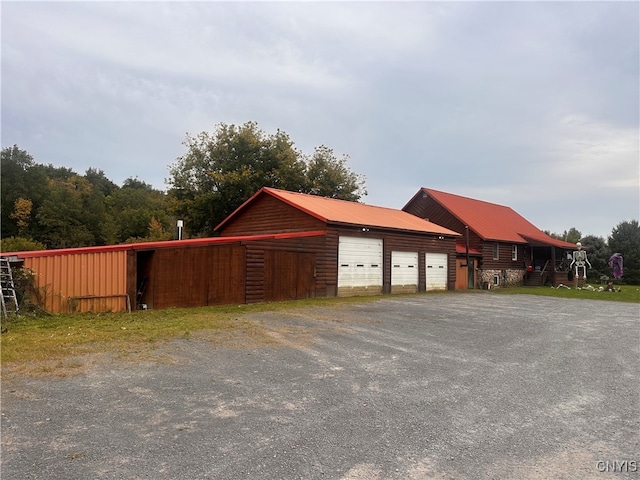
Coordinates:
(45, 207)
(624, 239)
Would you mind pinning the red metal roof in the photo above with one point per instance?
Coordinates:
(333, 211)
(166, 244)
(491, 221)
(463, 249)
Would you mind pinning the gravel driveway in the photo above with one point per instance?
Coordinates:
(456, 385)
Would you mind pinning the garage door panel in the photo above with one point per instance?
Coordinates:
(404, 272)
(359, 266)
(436, 271)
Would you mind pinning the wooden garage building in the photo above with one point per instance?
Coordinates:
(367, 249)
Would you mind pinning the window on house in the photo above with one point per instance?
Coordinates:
(496, 279)
(496, 250)
(514, 252)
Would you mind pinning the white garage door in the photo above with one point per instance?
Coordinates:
(404, 272)
(436, 271)
(359, 266)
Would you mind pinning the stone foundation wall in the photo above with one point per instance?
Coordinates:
(507, 278)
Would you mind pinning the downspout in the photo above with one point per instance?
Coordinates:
(466, 231)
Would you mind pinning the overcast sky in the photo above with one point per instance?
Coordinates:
(531, 105)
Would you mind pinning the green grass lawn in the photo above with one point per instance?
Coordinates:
(627, 293)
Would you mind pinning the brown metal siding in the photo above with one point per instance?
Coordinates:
(270, 215)
(62, 279)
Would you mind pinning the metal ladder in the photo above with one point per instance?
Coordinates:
(9, 299)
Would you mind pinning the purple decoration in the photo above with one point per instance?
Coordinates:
(615, 262)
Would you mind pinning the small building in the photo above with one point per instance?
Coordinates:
(155, 275)
(497, 246)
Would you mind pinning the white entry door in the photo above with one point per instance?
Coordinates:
(436, 271)
(359, 266)
(404, 272)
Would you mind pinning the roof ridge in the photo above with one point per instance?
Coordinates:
(352, 202)
(432, 190)
(338, 211)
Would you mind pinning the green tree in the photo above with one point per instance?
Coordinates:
(223, 169)
(59, 208)
(69, 215)
(573, 235)
(23, 179)
(625, 239)
(156, 233)
(130, 210)
(328, 176)
(20, 244)
(58, 173)
(100, 182)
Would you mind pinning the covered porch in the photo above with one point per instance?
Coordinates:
(547, 264)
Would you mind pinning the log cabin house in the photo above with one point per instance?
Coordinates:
(496, 246)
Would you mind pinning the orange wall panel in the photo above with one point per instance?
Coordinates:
(81, 282)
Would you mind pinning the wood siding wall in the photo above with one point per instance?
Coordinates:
(504, 256)
(285, 269)
(431, 210)
(195, 276)
(270, 215)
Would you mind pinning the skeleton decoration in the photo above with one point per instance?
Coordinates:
(580, 261)
(615, 262)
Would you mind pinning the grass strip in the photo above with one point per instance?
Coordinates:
(627, 293)
(31, 339)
